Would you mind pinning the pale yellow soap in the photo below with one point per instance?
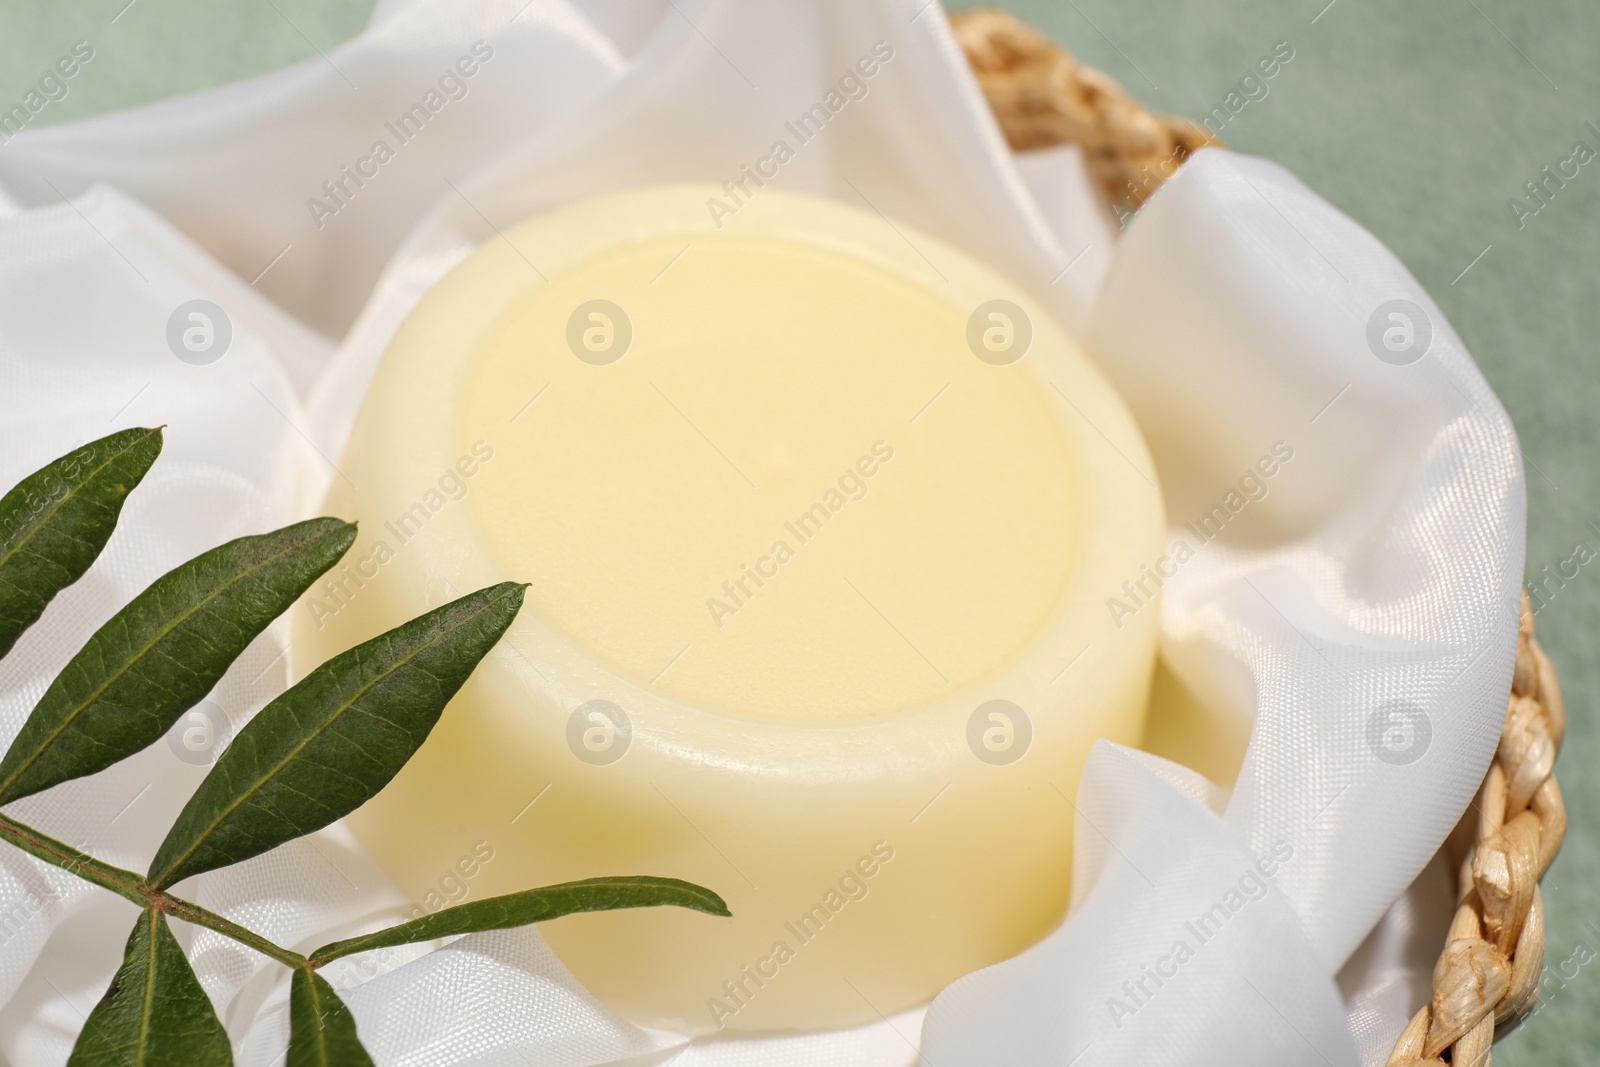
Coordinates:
(820, 518)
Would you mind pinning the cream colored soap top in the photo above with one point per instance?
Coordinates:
(796, 494)
(820, 516)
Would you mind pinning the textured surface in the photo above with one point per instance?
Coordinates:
(1420, 122)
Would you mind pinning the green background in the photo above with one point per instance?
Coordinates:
(1420, 120)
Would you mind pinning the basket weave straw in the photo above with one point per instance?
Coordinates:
(1488, 973)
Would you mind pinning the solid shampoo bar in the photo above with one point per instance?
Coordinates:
(820, 517)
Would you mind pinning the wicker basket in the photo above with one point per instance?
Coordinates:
(1488, 972)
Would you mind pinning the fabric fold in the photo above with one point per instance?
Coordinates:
(1182, 948)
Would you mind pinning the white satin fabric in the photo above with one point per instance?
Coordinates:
(1380, 570)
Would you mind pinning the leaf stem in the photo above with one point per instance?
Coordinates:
(136, 888)
(194, 913)
(58, 853)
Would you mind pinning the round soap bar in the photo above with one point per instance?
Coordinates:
(820, 519)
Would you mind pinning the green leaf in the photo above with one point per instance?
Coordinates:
(326, 746)
(322, 1032)
(155, 1014)
(55, 522)
(162, 653)
(533, 906)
